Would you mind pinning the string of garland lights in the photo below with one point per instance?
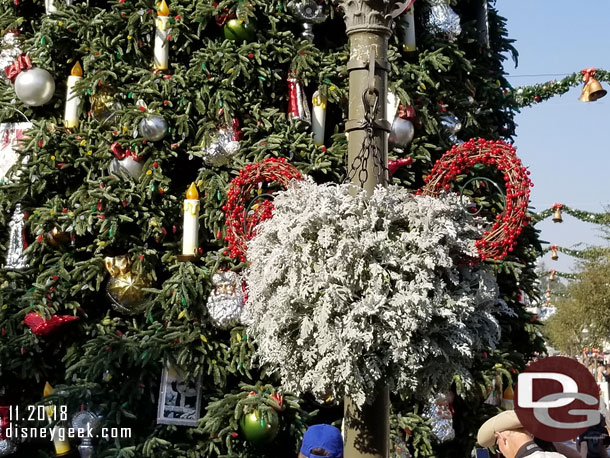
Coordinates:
(525, 96)
(586, 254)
(554, 274)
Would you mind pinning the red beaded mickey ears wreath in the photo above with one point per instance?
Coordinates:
(246, 206)
(502, 237)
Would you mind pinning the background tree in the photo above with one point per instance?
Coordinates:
(585, 306)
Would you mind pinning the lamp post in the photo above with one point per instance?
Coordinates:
(368, 28)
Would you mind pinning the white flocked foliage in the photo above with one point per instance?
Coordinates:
(346, 290)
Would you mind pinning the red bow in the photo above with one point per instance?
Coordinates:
(407, 112)
(121, 153)
(221, 19)
(42, 327)
(393, 166)
(22, 62)
(588, 73)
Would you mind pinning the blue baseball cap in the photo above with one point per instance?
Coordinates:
(326, 437)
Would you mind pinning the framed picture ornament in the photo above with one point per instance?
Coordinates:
(179, 398)
(11, 133)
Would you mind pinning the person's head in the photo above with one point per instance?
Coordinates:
(321, 441)
(506, 432)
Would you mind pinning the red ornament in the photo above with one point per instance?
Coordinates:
(241, 220)
(279, 398)
(393, 166)
(501, 238)
(42, 327)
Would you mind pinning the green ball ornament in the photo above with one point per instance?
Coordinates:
(239, 31)
(258, 430)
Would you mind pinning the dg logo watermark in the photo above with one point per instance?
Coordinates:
(556, 399)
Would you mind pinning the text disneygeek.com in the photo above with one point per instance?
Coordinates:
(61, 434)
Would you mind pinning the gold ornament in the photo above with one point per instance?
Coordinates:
(554, 254)
(103, 106)
(557, 216)
(553, 274)
(592, 91)
(124, 289)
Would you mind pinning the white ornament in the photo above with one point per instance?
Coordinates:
(128, 166)
(439, 412)
(15, 258)
(402, 132)
(34, 87)
(225, 303)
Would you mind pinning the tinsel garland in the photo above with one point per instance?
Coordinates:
(525, 96)
(587, 217)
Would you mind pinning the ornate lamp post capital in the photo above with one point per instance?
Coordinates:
(372, 15)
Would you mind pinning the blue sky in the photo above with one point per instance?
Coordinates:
(564, 142)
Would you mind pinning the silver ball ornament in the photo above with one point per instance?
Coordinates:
(153, 128)
(7, 447)
(121, 168)
(402, 132)
(34, 87)
(451, 124)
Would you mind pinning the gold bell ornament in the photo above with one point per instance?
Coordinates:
(554, 254)
(553, 275)
(125, 287)
(547, 294)
(592, 90)
(557, 215)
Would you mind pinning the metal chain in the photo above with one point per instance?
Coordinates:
(370, 148)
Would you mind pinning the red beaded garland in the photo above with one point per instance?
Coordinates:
(502, 237)
(244, 187)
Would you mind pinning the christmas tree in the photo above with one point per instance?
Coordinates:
(120, 287)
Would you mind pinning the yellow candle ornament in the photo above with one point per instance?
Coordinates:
(60, 441)
(73, 101)
(161, 33)
(190, 236)
(318, 117)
